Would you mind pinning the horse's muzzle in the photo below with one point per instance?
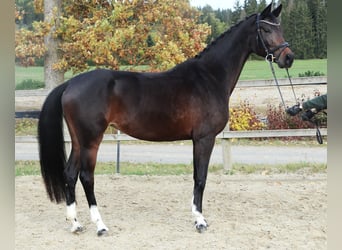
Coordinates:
(289, 60)
(286, 59)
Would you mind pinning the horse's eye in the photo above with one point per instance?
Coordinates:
(267, 30)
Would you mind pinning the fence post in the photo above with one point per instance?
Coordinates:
(68, 144)
(226, 151)
(118, 152)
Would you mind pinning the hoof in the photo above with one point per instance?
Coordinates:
(77, 230)
(201, 227)
(102, 232)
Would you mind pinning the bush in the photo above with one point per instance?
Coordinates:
(278, 119)
(244, 117)
(30, 84)
(310, 73)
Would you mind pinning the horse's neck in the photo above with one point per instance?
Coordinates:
(227, 56)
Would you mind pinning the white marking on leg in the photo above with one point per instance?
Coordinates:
(72, 216)
(199, 218)
(96, 218)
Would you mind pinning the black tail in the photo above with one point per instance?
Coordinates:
(51, 144)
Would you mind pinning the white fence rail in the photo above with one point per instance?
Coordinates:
(317, 80)
(224, 136)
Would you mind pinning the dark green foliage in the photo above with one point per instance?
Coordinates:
(150, 41)
(304, 23)
(30, 84)
(305, 27)
(311, 73)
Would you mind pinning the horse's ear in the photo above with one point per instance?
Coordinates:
(277, 11)
(266, 12)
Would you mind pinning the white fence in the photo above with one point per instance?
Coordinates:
(225, 136)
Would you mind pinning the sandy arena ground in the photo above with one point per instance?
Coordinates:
(286, 211)
(142, 212)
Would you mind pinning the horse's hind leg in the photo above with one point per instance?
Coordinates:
(71, 174)
(88, 162)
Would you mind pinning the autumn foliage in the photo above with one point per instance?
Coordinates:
(105, 33)
(30, 44)
(278, 119)
(243, 117)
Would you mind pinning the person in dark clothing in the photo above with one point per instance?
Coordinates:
(310, 107)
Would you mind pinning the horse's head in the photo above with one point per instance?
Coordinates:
(270, 41)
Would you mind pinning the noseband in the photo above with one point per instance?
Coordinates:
(269, 52)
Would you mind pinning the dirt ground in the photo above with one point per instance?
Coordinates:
(142, 212)
(286, 211)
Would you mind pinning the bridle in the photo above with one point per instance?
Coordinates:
(269, 52)
(272, 59)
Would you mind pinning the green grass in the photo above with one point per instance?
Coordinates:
(24, 168)
(35, 73)
(25, 73)
(126, 168)
(279, 168)
(30, 84)
(252, 70)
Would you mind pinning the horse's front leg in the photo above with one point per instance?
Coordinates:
(202, 151)
(71, 174)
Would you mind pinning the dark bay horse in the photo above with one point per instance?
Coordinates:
(187, 102)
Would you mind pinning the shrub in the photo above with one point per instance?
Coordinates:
(29, 84)
(278, 119)
(310, 73)
(322, 119)
(244, 117)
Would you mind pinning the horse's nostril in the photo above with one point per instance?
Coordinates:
(289, 59)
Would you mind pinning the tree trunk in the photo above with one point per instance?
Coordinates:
(52, 77)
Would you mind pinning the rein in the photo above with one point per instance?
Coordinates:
(271, 59)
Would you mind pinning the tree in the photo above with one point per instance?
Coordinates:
(26, 14)
(108, 34)
(298, 29)
(318, 10)
(52, 75)
(305, 27)
(262, 5)
(250, 6)
(157, 33)
(209, 16)
(237, 13)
